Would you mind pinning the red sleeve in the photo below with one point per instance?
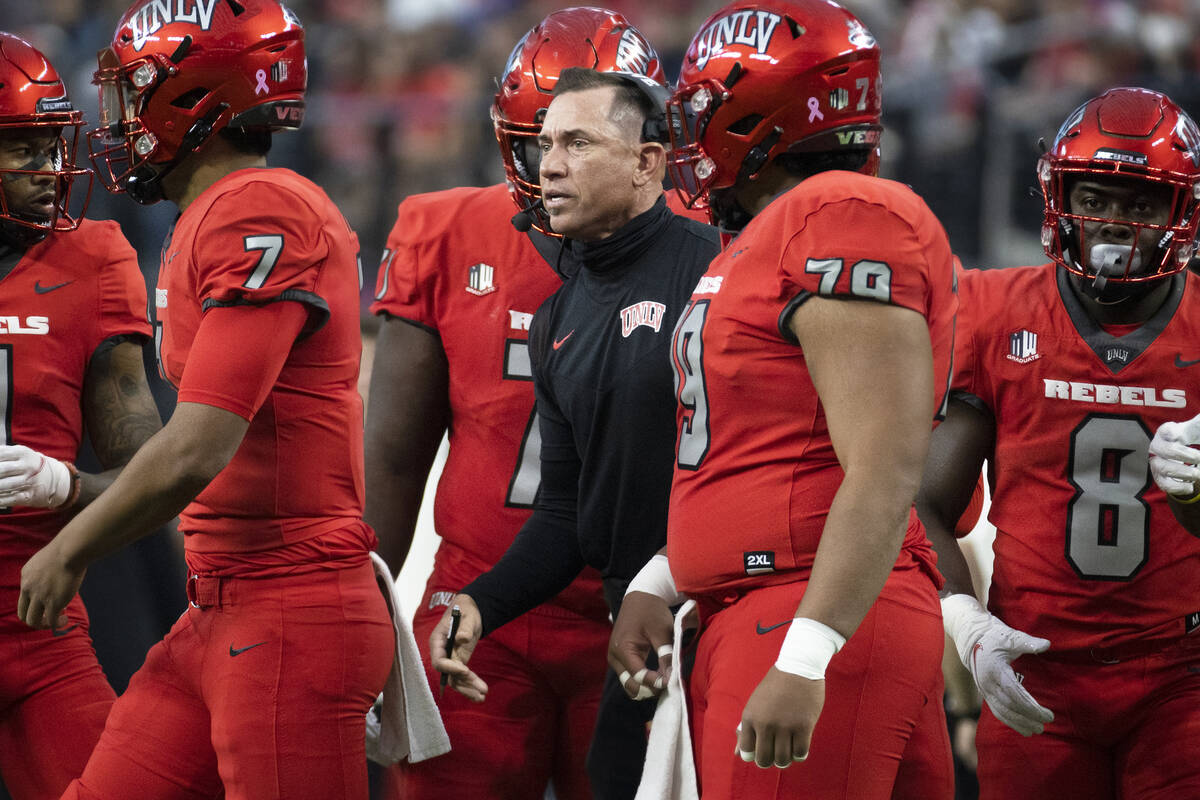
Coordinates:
(122, 291)
(971, 514)
(261, 242)
(407, 282)
(968, 377)
(860, 249)
(238, 353)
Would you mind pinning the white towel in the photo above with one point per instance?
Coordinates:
(407, 723)
(670, 772)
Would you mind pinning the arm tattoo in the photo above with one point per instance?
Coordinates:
(118, 408)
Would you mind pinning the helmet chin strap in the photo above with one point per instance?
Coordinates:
(145, 182)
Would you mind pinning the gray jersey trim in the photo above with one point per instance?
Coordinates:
(1118, 352)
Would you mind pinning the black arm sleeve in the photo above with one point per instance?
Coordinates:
(544, 558)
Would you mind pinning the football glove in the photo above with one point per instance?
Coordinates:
(988, 647)
(1172, 462)
(28, 478)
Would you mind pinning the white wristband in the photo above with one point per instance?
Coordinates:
(655, 578)
(807, 648)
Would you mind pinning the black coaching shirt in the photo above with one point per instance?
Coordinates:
(601, 355)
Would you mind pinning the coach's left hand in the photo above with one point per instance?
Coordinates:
(778, 720)
(48, 583)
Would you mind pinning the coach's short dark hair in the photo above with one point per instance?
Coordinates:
(629, 99)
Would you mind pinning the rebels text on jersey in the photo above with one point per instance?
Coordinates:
(1088, 555)
(455, 266)
(254, 238)
(66, 295)
(755, 468)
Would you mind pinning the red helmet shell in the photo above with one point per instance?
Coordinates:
(33, 96)
(771, 77)
(594, 38)
(178, 72)
(1132, 133)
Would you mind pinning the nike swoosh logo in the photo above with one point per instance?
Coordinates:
(760, 630)
(63, 631)
(1179, 362)
(37, 286)
(238, 651)
(560, 342)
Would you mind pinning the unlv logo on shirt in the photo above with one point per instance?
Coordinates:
(153, 15)
(647, 313)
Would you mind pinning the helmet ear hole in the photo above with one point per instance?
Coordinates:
(191, 99)
(745, 125)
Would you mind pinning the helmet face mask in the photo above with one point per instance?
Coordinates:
(593, 38)
(768, 78)
(1121, 187)
(39, 137)
(167, 84)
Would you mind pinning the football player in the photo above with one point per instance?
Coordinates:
(261, 687)
(1088, 636)
(457, 289)
(809, 366)
(72, 310)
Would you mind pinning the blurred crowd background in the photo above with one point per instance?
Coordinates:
(399, 92)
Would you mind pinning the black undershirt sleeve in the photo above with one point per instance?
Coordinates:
(544, 558)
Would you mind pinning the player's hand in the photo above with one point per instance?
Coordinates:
(988, 647)
(47, 585)
(645, 624)
(778, 720)
(28, 478)
(1174, 465)
(454, 665)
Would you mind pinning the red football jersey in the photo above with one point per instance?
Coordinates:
(455, 265)
(1087, 551)
(755, 469)
(66, 295)
(255, 237)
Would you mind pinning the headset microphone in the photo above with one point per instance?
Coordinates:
(523, 219)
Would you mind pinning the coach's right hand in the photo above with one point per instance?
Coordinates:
(453, 665)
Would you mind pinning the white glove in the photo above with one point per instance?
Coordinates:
(28, 478)
(987, 647)
(1172, 463)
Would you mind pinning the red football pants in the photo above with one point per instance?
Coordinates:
(260, 691)
(1124, 730)
(54, 699)
(544, 672)
(882, 732)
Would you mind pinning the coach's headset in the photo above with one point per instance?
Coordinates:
(654, 128)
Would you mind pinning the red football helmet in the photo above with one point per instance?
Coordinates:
(1130, 133)
(765, 78)
(34, 99)
(177, 73)
(588, 37)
